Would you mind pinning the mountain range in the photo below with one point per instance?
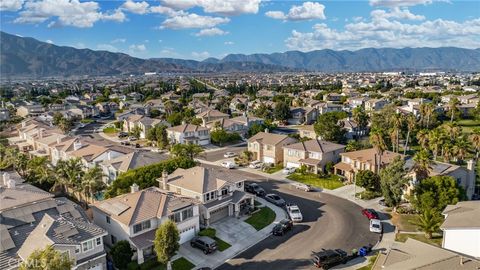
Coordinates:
(28, 57)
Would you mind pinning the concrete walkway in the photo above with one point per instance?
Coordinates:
(234, 231)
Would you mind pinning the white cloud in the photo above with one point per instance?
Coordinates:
(200, 55)
(137, 48)
(49, 41)
(11, 5)
(228, 43)
(135, 7)
(107, 47)
(307, 11)
(211, 32)
(395, 13)
(65, 13)
(118, 40)
(224, 7)
(117, 16)
(192, 20)
(166, 10)
(402, 3)
(387, 32)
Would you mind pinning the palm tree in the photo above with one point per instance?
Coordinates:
(69, 173)
(452, 108)
(426, 112)
(92, 182)
(397, 122)
(422, 137)
(423, 164)
(435, 140)
(186, 150)
(376, 139)
(475, 140)
(429, 222)
(460, 148)
(411, 124)
(447, 150)
(453, 130)
(393, 139)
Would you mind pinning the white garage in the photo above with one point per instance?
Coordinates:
(268, 159)
(187, 234)
(293, 165)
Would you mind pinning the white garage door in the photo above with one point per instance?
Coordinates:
(218, 214)
(268, 159)
(293, 165)
(187, 234)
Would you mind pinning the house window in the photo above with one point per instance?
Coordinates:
(269, 147)
(141, 226)
(239, 184)
(176, 217)
(187, 213)
(77, 249)
(210, 196)
(98, 241)
(88, 245)
(224, 191)
(113, 239)
(108, 219)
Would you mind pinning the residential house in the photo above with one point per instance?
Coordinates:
(30, 110)
(328, 107)
(92, 154)
(461, 228)
(146, 123)
(112, 168)
(307, 131)
(352, 128)
(135, 216)
(268, 147)
(415, 255)
(302, 115)
(237, 102)
(189, 133)
(355, 102)
(210, 116)
(333, 97)
(314, 154)
(375, 104)
(469, 99)
(220, 191)
(367, 159)
(4, 114)
(31, 219)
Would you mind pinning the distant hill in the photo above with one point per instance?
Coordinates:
(28, 57)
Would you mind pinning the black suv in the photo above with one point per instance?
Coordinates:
(255, 189)
(282, 227)
(205, 243)
(329, 258)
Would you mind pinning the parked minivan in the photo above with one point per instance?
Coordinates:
(205, 243)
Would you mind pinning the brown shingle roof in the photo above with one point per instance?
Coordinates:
(268, 138)
(315, 146)
(187, 128)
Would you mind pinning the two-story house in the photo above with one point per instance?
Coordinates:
(268, 147)
(189, 133)
(211, 115)
(135, 216)
(375, 104)
(302, 115)
(366, 159)
(314, 154)
(30, 110)
(220, 192)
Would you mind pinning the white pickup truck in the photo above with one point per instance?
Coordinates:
(294, 213)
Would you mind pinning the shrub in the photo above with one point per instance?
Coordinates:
(121, 254)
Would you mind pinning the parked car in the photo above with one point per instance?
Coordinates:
(370, 213)
(122, 134)
(255, 189)
(275, 199)
(229, 155)
(326, 259)
(156, 150)
(132, 138)
(257, 164)
(97, 130)
(375, 226)
(294, 213)
(288, 170)
(228, 164)
(303, 186)
(205, 243)
(137, 145)
(282, 227)
(381, 202)
(125, 143)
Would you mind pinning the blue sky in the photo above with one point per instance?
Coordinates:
(197, 29)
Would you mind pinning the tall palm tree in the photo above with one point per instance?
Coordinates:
(422, 137)
(447, 150)
(397, 122)
(411, 124)
(69, 173)
(435, 141)
(393, 139)
(453, 130)
(475, 140)
(426, 112)
(423, 164)
(429, 222)
(92, 182)
(460, 148)
(452, 108)
(376, 139)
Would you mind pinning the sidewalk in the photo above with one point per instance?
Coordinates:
(234, 231)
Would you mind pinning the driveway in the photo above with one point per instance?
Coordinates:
(216, 155)
(234, 231)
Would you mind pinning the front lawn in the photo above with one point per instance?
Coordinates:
(109, 130)
(182, 264)
(371, 261)
(328, 182)
(468, 125)
(152, 264)
(436, 239)
(262, 218)
(403, 222)
(273, 169)
(211, 232)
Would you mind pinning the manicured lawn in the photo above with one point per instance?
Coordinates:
(368, 195)
(182, 264)
(109, 130)
(152, 264)
(468, 125)
(404, 222)
(210, 232)
(274, 169)
(262, 218)
(436, 239)
(328, 182)
(86, 121)
(371, 261)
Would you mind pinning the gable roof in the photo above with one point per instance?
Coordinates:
(368, 155)
(187, 128)
(211, 113)
(134, 160)
(268, 138)
(315, 145)
(462, 215)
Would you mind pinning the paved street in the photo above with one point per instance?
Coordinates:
(329, 222)
(216, 155)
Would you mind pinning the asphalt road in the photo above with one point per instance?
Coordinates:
(329, 222)
(218, 154)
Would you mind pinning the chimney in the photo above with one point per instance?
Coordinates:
(461, 260)
(11, 183)
(59, 140)
(109, 155)
(77, 145)
(266, 130)
(164, 180)
(134, 188)
(471, 178)
(6, 178)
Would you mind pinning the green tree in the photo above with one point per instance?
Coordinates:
(255, 128)
(69, 174)
(429, 222)
(377, 141)
(175, 118)
(368, 180)
(411, 124)
(361, 117)
(436, 193)
(47, 258)
(158, 134)
(121, 253)
(453, 108)
(353, 145)
(92, 182)
(219, 136)
(392, 181)
(328, 129)
(281, 111)
(136, 131)
(186, 150)
(166, 241)
(474, 138)
(423, 164)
